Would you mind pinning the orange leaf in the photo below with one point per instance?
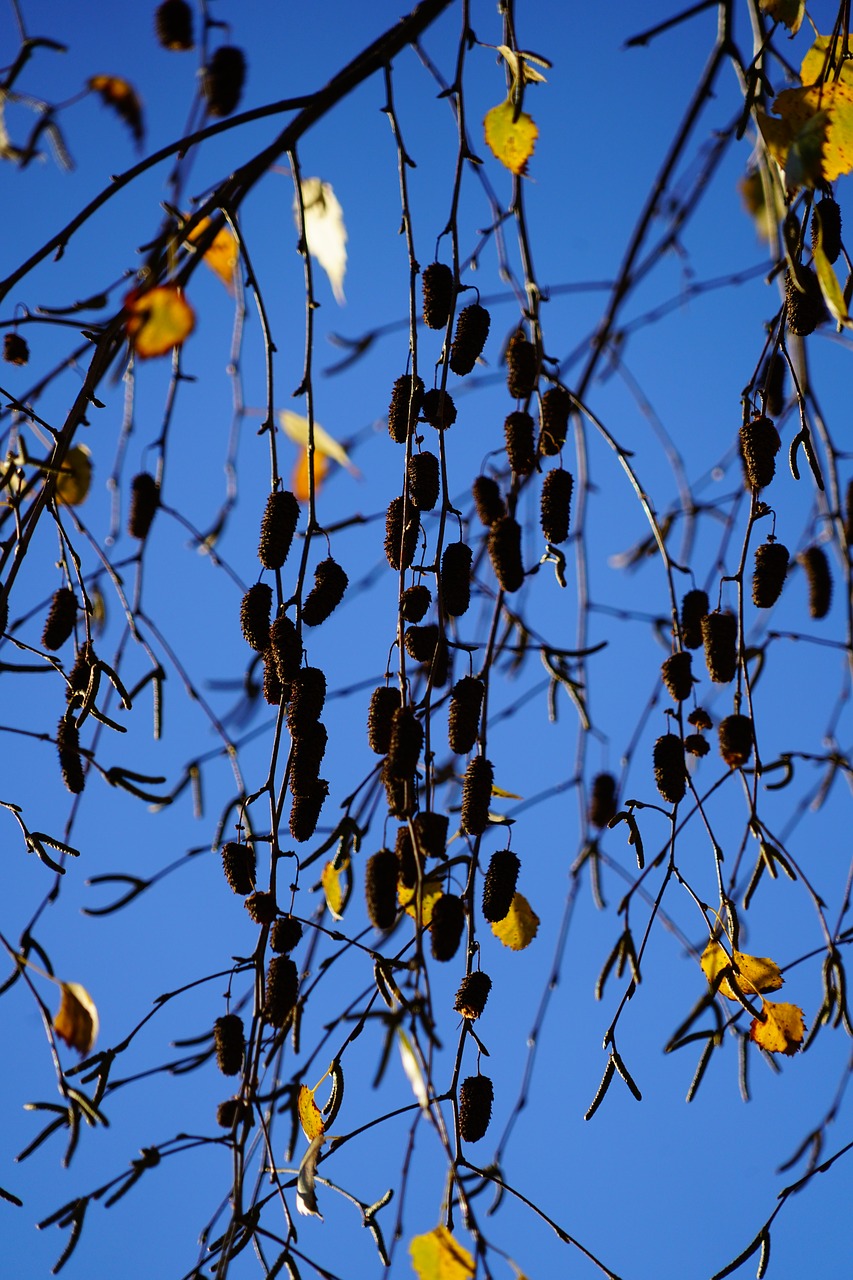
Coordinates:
(222, 256)
(158, 320)
(77, 1019)
(299, 478)
(781, 1031)
(124, 100)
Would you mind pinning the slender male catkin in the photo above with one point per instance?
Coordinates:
(476, 796)
(670, 769)
(380, 888)
(277, 529)
(719, 636)
(60, 619)
(70, 761)
(816, 564)
(555, 505)
(438, 295)
(487, 499)
(472, 330)
(463, 718)
(448, 921)
(768, 577)
(476, 1095)
(499, 885)
(330, 583)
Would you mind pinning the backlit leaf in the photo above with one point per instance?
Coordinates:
(76, 1021)
(222, 256)
(754, 974)
(814, 64)
(158, 320)
(519, 927)
(124, 100)
(437, 1256)
(432, 891)
(337, 886)
(830, 288)
(296, 427)
(523, 64)
(789, 12)
(325, 233)
(412, 1068)
(820, 120)
(781, 1031)
(511, 140)
(75, 477)
(310, 1116)
(299, 479)
(306, 1197)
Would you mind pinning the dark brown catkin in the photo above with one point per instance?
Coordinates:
(805, 308)
(519, 440)
(305, 811)
(405, 407)
(414, 603)
(670, 769)
(504, 544)
(472, 994)
(700, 719)
(409, 866)
(438, 295)
(463, 718)
(422, 477)
(255, 612)
(70, 762)
(401, 794)
(448, 921)
(476, 796)
(60, 619)
(238, 863)
(719, 636)
(677, 676)
(229, 1041)
(306, 756)
(697, 744)
(173, 23)
(602, 804)
(421, 642)
(554, 420)
(277, 529)
(380, 888)
(456, 578)
(223, 80)
(144, 501)
(261, 907)
(735, 734)
(487, 499)
(472, 330)
(555, 505)
(521, 366)
(431, 833)
(438, 409)
(816, 565)
(759, 443)
(384, 701)
(401, 540)
(330, 583)
(282, 990)
(773, 380)
(499, 885)
(407, 739)
(285, 934)
(826, 226)
(307, 699)
(80, 673)
(272, 687)
(15, 349)
(285, 648)
(229, 1112)
(476, 1096)
(694, 606)
(768, 577)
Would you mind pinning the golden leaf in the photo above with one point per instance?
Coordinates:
(789, 12)
(75, 476)
(437, 1256)
(522, 64)
(76, 1021)
(519, 926)
(222, 256)
(815, 63)
(512, 140)
(296, 427)
(820, 123)
(829, 287)
(299, 480)
(158, 320)
(310, 1116)
(123, 99)
(781, 1031)
(432, 891)
(754, 973)
(337, 886)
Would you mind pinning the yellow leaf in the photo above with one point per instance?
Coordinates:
(299, 483)
(829, 287)
(75, 476)
(310, 1116)
(432, 891)
(815, 64)
(820, 119)
(505, 795)
(521, 64)
(754, 973)
(158, 320)
(296, 427)
(76, 1022)
(511, 140)
(337, 886)
(325, 233)
(781, 1031)
(222, 256)
(123, 99)
(437, 1256)
(519, 927)
(789, 12)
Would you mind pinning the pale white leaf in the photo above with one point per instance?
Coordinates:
(306, 1197)
(325, 233)
(412, 1068)
(296, 427)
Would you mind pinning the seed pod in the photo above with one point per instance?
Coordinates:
(463, 718)
(815, 562)
(223, 79)
(487, 499)
(476, 1095)
(308, 749)
(282, 990)
(696, 744)
(285, 648)
(307, 698)
(759, 444)
(15, 349)
(694, 606)
(678, 676)
(456, 578)
(414, 603)
(405, 407)
(423, 480)
(499, 885)
(421, 642)
(401, 794)
(380, 887)
(805, 310)
(277, 529)
(848, 514)
(826, 226)
(173, 22)
(431, 833)
(670, 769)
(60, 619)
(305, 811)
(773, 380)
(238, 863)
(273, 689)
(768, 578)
(255, 616)
(518, 437)
(330, 583)
(472, 994)
(408, 864)
(229, 1041)
(719, 636)
(401, 541)
(505, 553)
(700, 719)
(554, 420)
(438, 295)
(407, 738)
(384, 701)
(261, 907)
(448, 921)
(472, 329)
(144, 501)
(476, 796)
(438, 409)
(285, 934)
(70, 762)
(521, 366)
(602, 804)
(80, 674)
(555, 505)
(735, 733)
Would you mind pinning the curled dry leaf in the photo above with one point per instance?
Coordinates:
(306, 1196)
(76, 1021)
